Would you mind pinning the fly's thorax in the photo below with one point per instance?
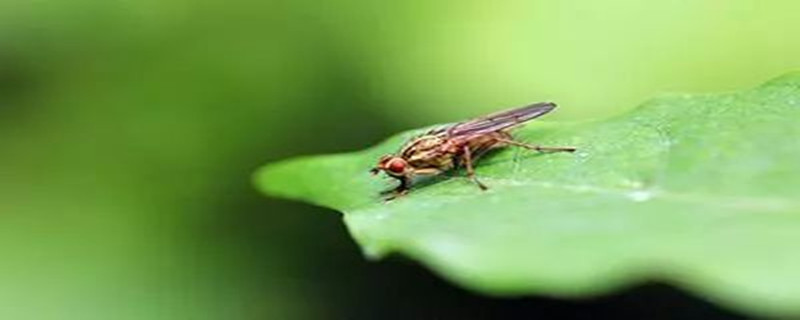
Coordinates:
(421, 145)
(424, 142)
(427, 151)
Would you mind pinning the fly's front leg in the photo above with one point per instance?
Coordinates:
(535, 147)
(427, 172)
(400, 191)
(405, 182)
(470, 169)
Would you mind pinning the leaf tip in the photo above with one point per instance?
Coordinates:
(269, 177)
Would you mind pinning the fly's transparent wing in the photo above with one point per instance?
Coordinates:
(501, 120)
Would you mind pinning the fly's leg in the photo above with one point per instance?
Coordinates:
(405, 182)
(427, 172)
(470, 170)
(400, 191)
(535, 147)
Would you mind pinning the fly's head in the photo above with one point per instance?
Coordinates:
(394, 166)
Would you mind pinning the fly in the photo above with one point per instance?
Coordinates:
(459, 146)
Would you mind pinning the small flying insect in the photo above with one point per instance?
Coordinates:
(459, 146)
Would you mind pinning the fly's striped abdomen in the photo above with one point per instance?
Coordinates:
(480, 145)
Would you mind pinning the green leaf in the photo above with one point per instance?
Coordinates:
(700, 191)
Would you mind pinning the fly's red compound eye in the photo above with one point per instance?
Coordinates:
(397, 166)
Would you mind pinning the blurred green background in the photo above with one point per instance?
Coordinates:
(129, 131)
